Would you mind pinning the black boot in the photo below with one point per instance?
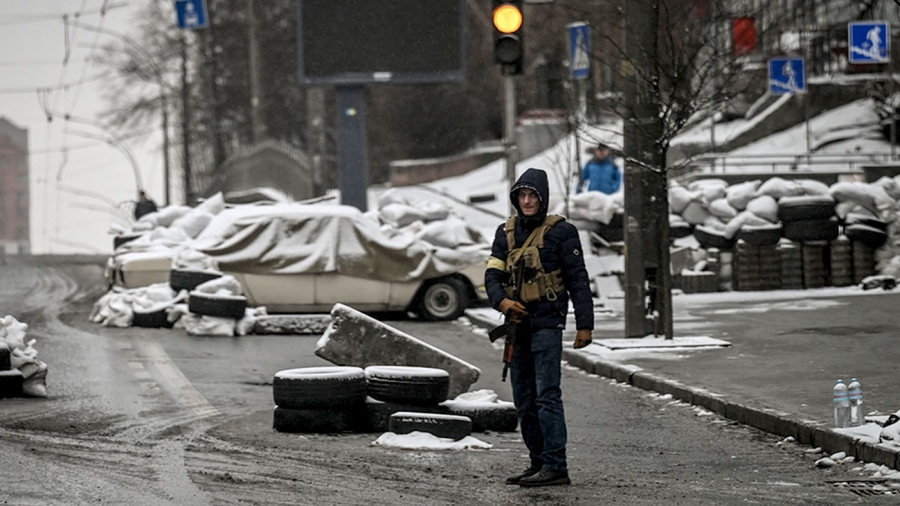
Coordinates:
(514, 480)
(546, 477)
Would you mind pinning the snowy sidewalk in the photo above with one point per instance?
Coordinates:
(763, 376)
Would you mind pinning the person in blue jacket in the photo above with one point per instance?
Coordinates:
(601, 172)
(540, 319)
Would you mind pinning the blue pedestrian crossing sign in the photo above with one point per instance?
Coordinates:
(580, 49)
(787, 75)
(869, 41)
(191, 14)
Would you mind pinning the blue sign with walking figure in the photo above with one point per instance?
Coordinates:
(870, 41)
(191, 14)
(787, 75)
(580, 49)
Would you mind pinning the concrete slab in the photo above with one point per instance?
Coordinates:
(356, 339)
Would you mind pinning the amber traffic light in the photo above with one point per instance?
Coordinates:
(508, 47)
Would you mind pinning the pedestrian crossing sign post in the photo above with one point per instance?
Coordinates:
(580, 49)
(787, 75)
(869, 41)
(191, 14)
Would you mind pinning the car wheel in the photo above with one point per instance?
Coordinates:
(453, 427)
(319, 387)
(443, 299)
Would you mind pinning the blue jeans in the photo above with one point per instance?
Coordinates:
(536, 372)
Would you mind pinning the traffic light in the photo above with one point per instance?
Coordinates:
(509, 49)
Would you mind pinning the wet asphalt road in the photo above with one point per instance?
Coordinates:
(147, 416)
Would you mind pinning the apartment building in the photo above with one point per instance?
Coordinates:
(15, 237)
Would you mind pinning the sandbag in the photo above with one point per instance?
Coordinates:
(740, 194)
(743, 218)
(777, 187)
(720, 208)
(695, 213)
(764, 206)
(679, 198)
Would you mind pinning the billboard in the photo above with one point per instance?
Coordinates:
(381, 41)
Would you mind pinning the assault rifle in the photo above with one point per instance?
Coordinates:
(509, 327)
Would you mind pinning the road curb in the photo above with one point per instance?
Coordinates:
(772, 421)
(775, 422)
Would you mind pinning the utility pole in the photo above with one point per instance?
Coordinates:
(509, 131)
(185, 132)
(257, 123)
(509, 52)
(648, 277)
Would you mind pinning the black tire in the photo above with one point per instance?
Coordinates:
(442, 299)
(154, 319)
(124, 238)
(679, 230)
(861, 219)
(319, 387)
(453, 427)
(217, 305)
(408, 385)
(182, 279)
(805, 207)
(317, 421)
(377, 414)
(761, 235)
(812, 230)
(501, 417)
(712, 238)
(868, 235)
(612, 232)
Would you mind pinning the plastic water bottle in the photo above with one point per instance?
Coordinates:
(856, 397)
(841, 405)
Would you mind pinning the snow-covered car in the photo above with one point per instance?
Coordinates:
(294, 258)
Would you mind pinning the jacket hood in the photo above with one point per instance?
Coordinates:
(536, 180)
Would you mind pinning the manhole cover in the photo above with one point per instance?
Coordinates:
(869, 487)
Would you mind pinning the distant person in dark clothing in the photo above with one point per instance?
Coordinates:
(145, 205)
(601, 173)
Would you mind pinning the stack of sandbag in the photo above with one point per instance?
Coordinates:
(765, 214)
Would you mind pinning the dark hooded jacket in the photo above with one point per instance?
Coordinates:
(562, 250)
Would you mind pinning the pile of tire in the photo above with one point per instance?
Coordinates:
(319, 399)
(404, 389)
(400, 399)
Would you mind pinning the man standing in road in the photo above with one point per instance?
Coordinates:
(536, 264)
(601, 172)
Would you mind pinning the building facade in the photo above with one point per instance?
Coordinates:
(15, 201)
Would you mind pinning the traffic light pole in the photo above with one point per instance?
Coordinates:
(509, 130)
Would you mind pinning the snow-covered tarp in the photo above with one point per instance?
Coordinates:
(295, 238)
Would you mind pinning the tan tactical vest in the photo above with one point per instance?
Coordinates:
(526, 273)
